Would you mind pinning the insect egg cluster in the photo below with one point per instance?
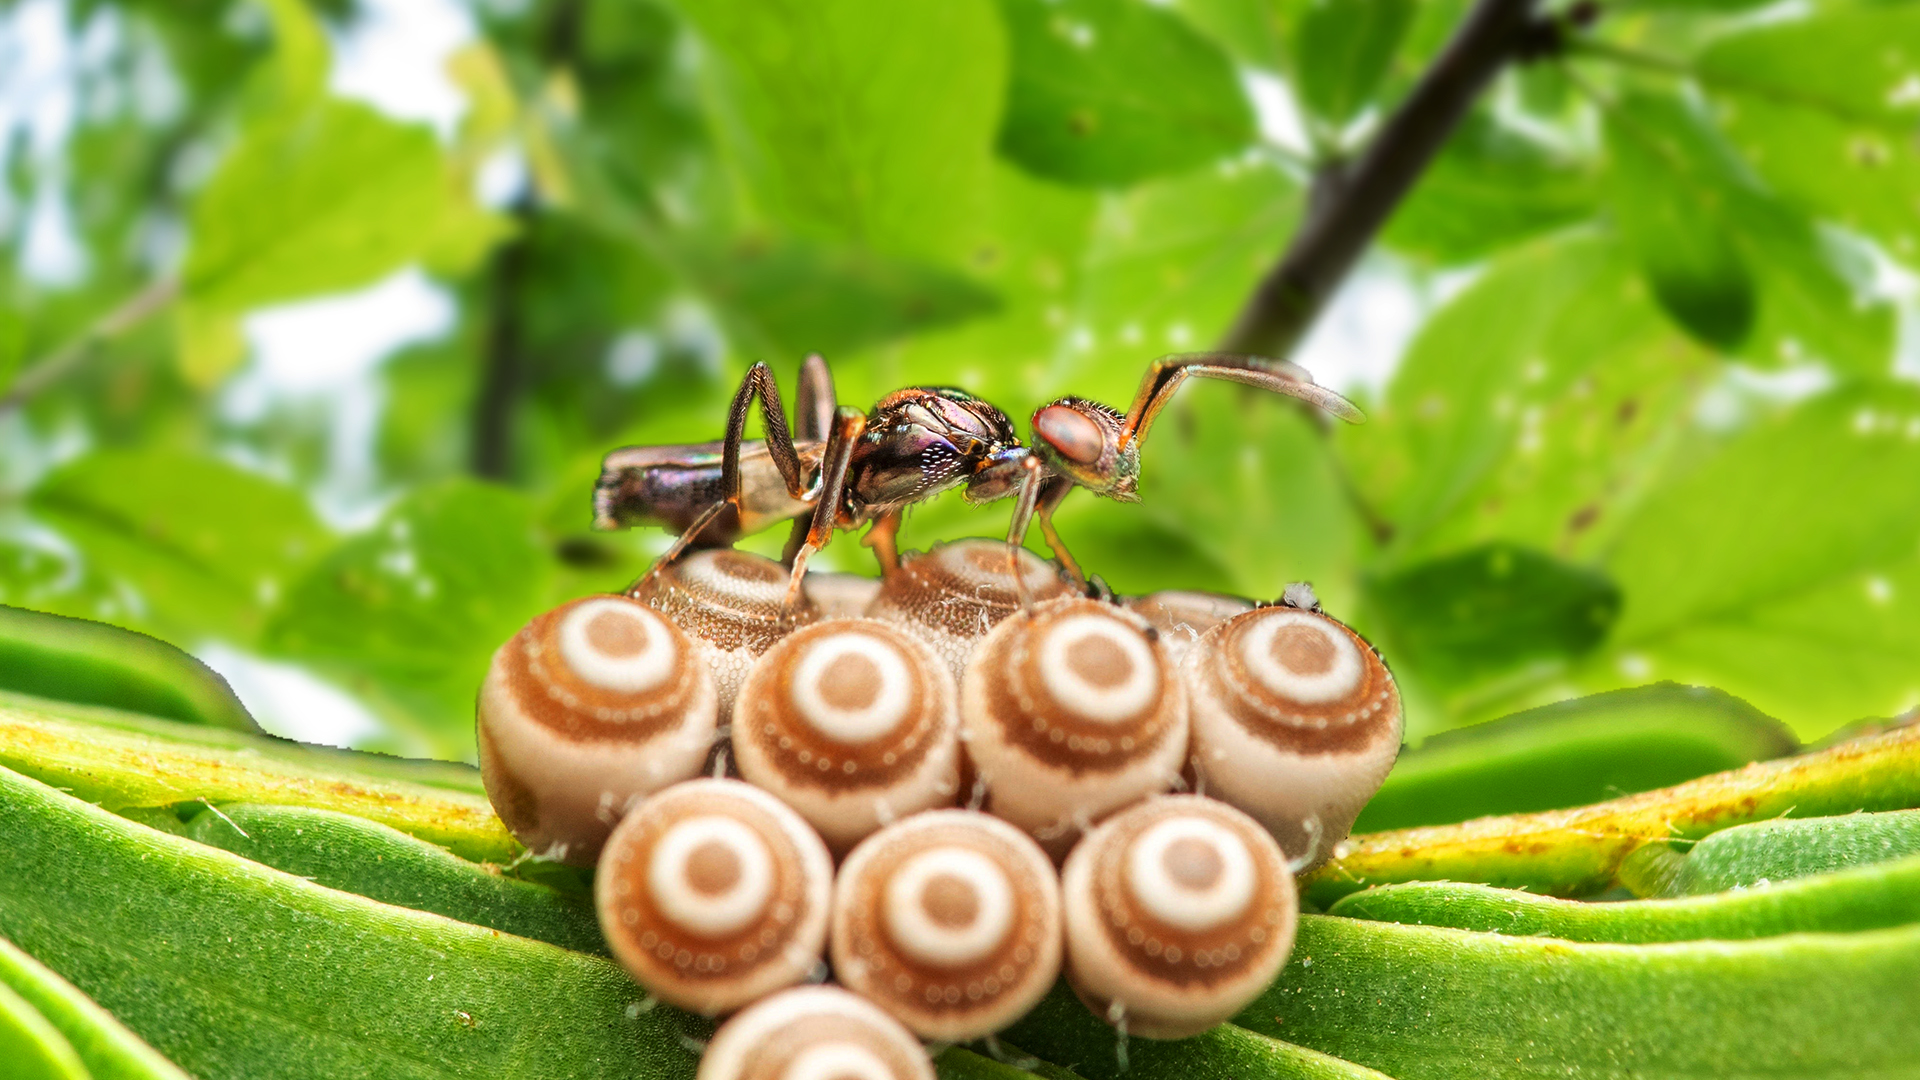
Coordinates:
(1014, 782)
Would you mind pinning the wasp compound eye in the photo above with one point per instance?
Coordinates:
(952, 595)
(713, 893)
(589, 708)
(1179, 912)
(732, 602)
(1070, 433)
(950, 921)
(1069, 713)
(1296, 720)
(814, 1033)
(1180, 616)
(853, 723)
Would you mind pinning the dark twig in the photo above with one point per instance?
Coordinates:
(68, 359)
(1352, 200)
(503, 360)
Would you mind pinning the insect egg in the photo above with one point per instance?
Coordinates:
(732, 602)
(950, 921)
(1071, 712)
(713, 893)
(853, 723)
(1180, 616)
(814, 1033)
(587, 709)
(1295, 720)
(952, 595)
(839, 596)
(1179, 911)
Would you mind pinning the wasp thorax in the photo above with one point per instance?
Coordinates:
(1295, 720)
(1070, 712)
(732, 601)
(1180, 616)
(1179, 912)
(713, 893)
(814, 1033)
(587, 709)
(853, 723)
(952, 595)
(950, 921)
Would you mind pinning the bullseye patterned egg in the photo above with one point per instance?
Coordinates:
(732, 602)
(1179, 912)
(1180, 616)
(814, 1033)
(713, 893)
(1296, 720)
(952, 595)
(1069, 713)
(853, 723)
(950, 921)
(587, 709)
(839, 596)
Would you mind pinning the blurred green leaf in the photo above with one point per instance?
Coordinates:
(1341, 50)
(1110, 92)
(180, 544)
(856, 121)
(318, 195)
(106, 1048)
(31, 1045)
(1254, 31)
(1665, 188)
(1781, 562)
(235, 970)
(1862, 899)
(1825, 108)
(94, 663)
(410, 611)
(1491, 187)
(1489, 610)
(1574, 752)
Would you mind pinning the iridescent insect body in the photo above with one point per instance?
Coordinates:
(839, 468)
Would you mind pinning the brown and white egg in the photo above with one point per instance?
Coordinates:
(732, 602)
(954, 594)
(1296, 720)
(1070, 712)
(589, 708)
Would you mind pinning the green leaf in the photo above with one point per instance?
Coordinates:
(352, 854)
(186, 545)
(1824, 107)
(856, 121)
(1574, 752)
(1490, 187)
(1578, 852)
(409, 612)
(31, 1045)
(1256, 32)
(1109, 92)
(1422, 1001)
(103, 1045)
(1665, 191)
(131, 764)
(1341, 51)
(1490, 610)
(1867, 898)
(235, 970)
(1769, 852)
(93, 663)
(1779, 563)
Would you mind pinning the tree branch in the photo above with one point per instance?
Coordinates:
(68, 359)
(1350, 202)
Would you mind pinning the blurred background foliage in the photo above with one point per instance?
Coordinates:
(1657, 419)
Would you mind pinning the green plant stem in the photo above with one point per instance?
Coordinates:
(69, 358)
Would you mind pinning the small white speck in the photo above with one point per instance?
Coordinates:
(1635, 666)
(1879, 589)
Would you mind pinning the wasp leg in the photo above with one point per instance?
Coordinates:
(848, 425)
(758, 383)
(1052, 493)
(881, 539)
(1023, 504)
(813, 400)
(796, 535)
